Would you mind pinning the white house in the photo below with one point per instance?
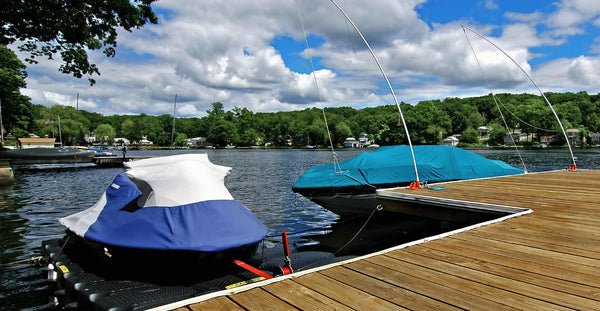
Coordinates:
(351, 142)
(450, 141)
(516, 137)
(364, 140)
(595, 138)
(89, 137)
(119, 140)
(145, 142)
(573, 135)
(196, 142)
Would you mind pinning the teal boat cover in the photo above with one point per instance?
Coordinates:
(393, 166)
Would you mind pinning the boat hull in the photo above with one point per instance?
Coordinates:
(348, 205)
(165, 266)
(46, 155)
(76, 287)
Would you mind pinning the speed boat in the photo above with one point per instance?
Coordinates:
(349, 187)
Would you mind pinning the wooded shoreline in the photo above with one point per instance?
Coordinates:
(428, 122)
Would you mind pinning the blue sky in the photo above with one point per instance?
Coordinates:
(252, 54)
(291, 52)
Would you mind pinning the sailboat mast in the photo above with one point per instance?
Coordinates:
(412, 152)
(76, 118)
(59, 131)
(173, 130)
(1, 125)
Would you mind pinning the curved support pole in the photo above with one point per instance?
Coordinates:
(572, 167)
(388, 83)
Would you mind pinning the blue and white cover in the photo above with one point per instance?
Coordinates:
(176, 202)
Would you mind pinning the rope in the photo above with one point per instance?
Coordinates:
(427, 186)
(311, 229)
(377, 208)
(523, 121)
(35, 260)
(534, 83)
(494, 97)
(336, 165)
(388, 84)
(356, 180)
(64, 244)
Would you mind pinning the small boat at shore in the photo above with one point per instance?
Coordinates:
(46, 155)
(164, 230)
(349, 187)
(166, 211)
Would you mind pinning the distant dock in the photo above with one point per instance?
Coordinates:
(116, 161)
(544, 257)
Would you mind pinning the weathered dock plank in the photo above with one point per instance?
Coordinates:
(425, 286)
(219, 303)
(312, 300)
(345, 294)
(556, 289)
(536, 296)
(260, 300)
(383, 290)
(545, 260)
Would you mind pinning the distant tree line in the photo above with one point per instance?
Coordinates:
(428, 122)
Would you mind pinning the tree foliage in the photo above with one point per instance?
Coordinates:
(71, 28)
(16, 108)
(105, 133)
(428, 122)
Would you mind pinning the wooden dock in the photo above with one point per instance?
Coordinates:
(548, 259)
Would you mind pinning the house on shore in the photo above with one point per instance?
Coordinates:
(363, 141)
(450, 141)
(36, 142)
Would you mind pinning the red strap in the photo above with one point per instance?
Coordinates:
(286, 270)
(286, 244)
(252, 269)
(287, 264)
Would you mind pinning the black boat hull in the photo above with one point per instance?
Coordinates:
(46, 155)
(156, 266)
(76, 287)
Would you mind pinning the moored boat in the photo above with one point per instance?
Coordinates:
(164, 211)
(166, 229)
(164, 223)
(349, 187)
(46, 155)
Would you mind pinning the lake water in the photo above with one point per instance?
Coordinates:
(260, 179)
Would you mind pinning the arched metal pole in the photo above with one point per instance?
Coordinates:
(536, 85)
(417, 185)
